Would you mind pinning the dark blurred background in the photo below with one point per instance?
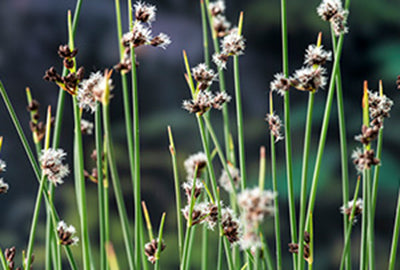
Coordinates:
(31, 31)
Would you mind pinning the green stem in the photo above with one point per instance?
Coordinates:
(364, 225)
(220, 154)
(229, 258)
(371, 245)
(324, 129)
(278, 247)
(303, 193)
(222, 87)
(239, 116)
(160, 237)
(136, 142)
(185, 254)
(117, 189)
(100, 187)
(177, 191)
(3, 260)
(346, 248)
(343, 146)
(288, 139)
(377, 171)
(395, 238)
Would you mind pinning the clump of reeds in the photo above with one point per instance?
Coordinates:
(238, 222)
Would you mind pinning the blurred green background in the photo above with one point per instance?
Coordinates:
(31, 31)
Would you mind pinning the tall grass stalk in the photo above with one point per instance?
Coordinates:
(79, 166)
(117, 185)
(343, 145)
(160, 237)
(3, 260)
(222, 85)
(288, 136)
(100, 188)
(278, 242)
(177, 191)
(395, 238)
(347, 241)
(304, 174)
(39, 195)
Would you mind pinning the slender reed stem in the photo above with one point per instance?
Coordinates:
(304, 174)
(117, 188)
(346, 248)
(36, 210)
(324, 129)
(160, 237)
(3, 260)
(343, 145)
(177, 190)
(364, 224)
(288, 136)
(239, 116)
(100, 187)
(222, 87)
(395, 238)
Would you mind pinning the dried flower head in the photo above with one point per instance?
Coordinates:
(233, 44)
(379, 106)
(51, 161)
(329, 8)
(199, 214)
(256, 204)
(92, 90)
(2, 166)
(346, 210)
(140, 35)
(151, 248)
(224, 180)
(364, 160)
(220, 98)
(66, 234)
(280, 84)
(217, 7)
(188, 188)
(65, 52)
(200, 104)
(230, 225)
(86, 127)
(398, 82)
(33, 106)
(212, 217)
(161, 40)
(221, 25)
(9, 254)
(203, 75)
(275, 125)
(294, 247)
(3, 186)
(144, 12)
(368, 134)
(250, 241)
(220, 60)
(309, 78)
(200, 160)
(316, 55)
(332, 11)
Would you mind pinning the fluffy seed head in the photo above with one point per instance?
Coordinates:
(3, 186)
(150, 249)
(230, 225)
(256, 204)
(220, 99)
(329, 8)
(51, 161)
(220, 60)
(316, 55)
(199, 214)
(309, 78)
(92, 90)
(2, 166)
(144, 12)
(203, 75)
(86, 127)
(161, 40)
(250, 241)
(188, 187)
(280, 84)
(364, 160)
(379, 106)
(225, 181)
(199, 159)
(275, 126)
(66, 234)
(346, 210)
(217, 8)
(221, 25)
(233, 44)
